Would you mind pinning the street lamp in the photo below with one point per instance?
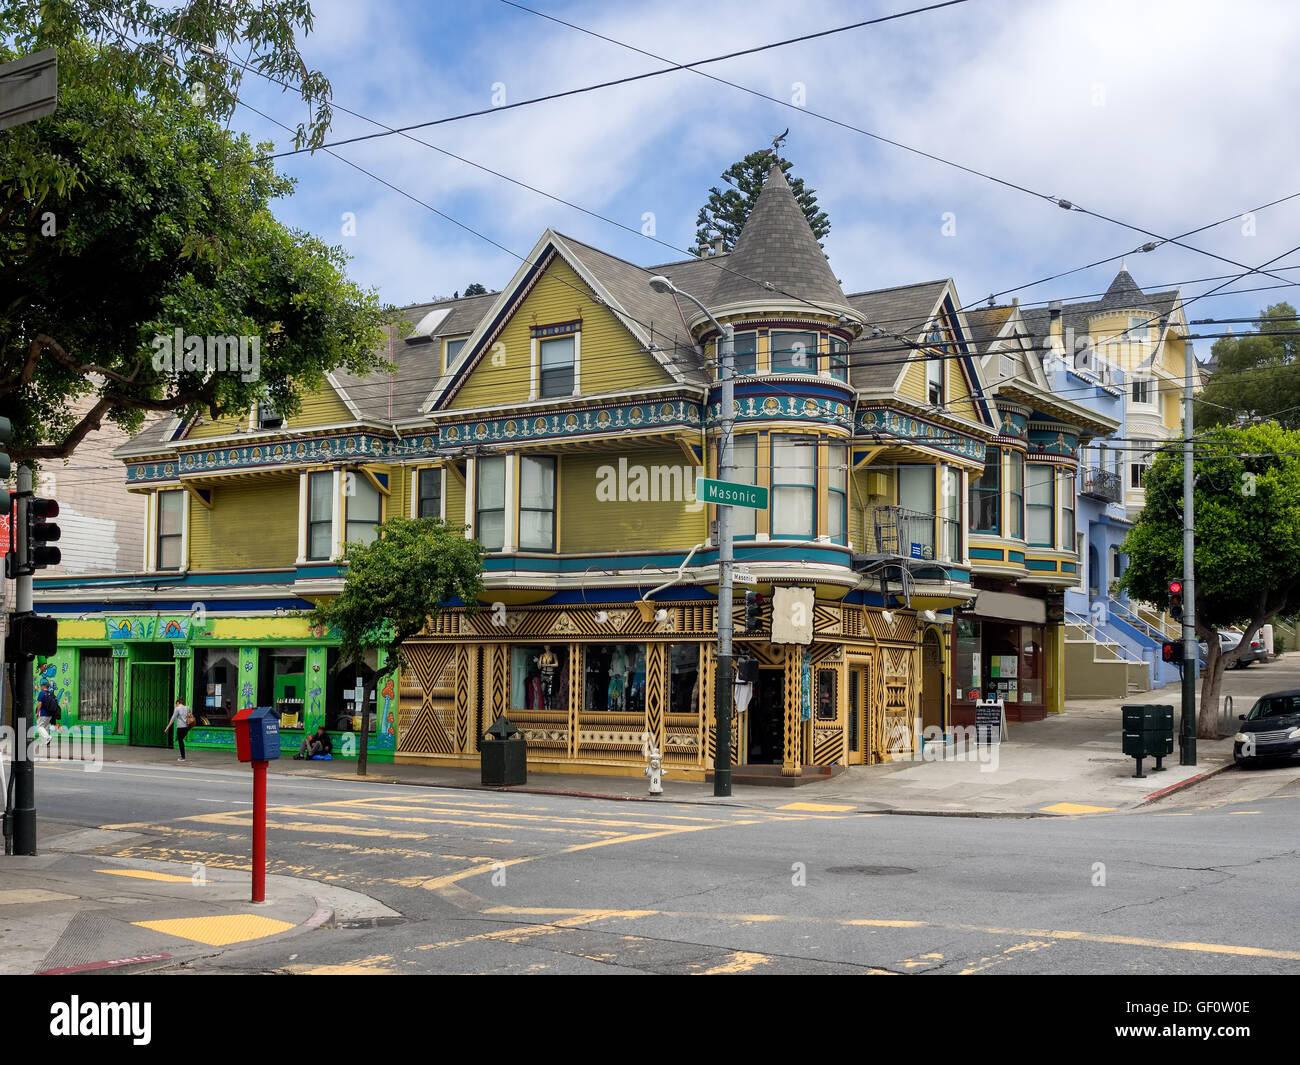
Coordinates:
(722, 689)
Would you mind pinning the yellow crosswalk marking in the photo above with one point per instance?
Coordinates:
(1075, 808)
(817, 807)
(221, 930)
(145, 874)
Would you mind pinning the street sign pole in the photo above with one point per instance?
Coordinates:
(722, 691)
(1187, 723)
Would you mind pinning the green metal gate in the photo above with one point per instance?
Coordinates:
(152, 686)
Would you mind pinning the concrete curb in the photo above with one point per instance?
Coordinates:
(1156, 796)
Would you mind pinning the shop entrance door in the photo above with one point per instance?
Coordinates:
(152, 685)
(858, 701)
(767, 719)
(931, 681)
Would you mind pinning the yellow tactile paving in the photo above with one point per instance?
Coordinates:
(145, 874)
(816, 807)
(1075, 808)
(219, 931)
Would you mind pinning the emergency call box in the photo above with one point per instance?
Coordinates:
(257, 734)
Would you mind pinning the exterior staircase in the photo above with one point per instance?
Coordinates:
(1099, 665)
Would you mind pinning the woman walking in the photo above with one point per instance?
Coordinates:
(181, 719)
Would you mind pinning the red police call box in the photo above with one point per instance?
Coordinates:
(257, 734)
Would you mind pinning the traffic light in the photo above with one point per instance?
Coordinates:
(6, 434)
(1176, 600)
(753, 606)
(41, 532)
(1172, 652)
(30, 636)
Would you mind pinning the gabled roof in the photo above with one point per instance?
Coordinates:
(878, 363)
(776, 253)
(653, 318)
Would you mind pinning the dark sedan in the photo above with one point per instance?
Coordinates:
(1271, 729)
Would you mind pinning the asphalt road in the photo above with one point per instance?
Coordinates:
(508, 882)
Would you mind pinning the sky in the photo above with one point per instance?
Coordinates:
(1166, 116)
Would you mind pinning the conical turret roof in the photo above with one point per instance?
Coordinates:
(778, 251)
(1123, 292)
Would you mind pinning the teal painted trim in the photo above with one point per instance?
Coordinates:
(1016, 556)
(657, 414)
(1042, 565)
(1069, 567)
(987, 554)
(286, 576)
(765, 552)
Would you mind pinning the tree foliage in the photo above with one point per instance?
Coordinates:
(132, 212)
(725, 212)
(1247, 513)
(1257, 375)
(475, 289)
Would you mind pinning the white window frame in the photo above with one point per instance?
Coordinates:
(417, 473)
(535, 359)
(155, 517)
(934, 378)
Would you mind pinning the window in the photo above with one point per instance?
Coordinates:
(615, 678)
(557, 357)
(429, 494)
(951, 514)
(794, 352)
(827, 704)
(282, 682)
(536, 504)
(745, 353)
(95, 699)
(490, 522)
(216, 689)
(986, 495)
(171, 517)
(320, 511)
(1016, 490)
(539, 677)
(363, 510)
(683, 678)
(1039, 505)
(744, 458)
(934, 381)
(1137, 329)
(1141, 389)
(342, 707)
(794, 486)
(1067, 509)
(837, 493)
(916, 495)
(267, 416)
(839, 359)
(1138, 469)
(454, 348)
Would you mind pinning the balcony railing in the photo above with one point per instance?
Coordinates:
(912, 534)
(1102, 484)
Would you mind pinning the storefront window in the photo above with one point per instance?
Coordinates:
(96, 695)
(1031, 655)
(615, 678)
(216, 673)
(342, 708)
(968, 664)
(281, 682)
(539, 677)
(684, 678)
(827, 706)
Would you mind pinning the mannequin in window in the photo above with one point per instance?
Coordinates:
(547, 664)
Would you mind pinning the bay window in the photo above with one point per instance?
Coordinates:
(744, 458)
(1016, 492)
(1040, 504)
(536, 503)
(838, 359)
(837, 493)
(320, 514)
(950, 512)
(490, 502)
(794, 487)
(986, 495)
(171, 516)
(364, 511)
(916, 496)
(744, 350)
(794, 352)
(1067, 509)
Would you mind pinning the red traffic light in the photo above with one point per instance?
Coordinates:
(1175, 587)
(40, 509)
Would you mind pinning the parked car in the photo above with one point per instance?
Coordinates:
(1228, 641)
(1270, 730)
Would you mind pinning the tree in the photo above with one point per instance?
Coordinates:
(1258, 374)
(725, 212)
(475, 290)
(1247, 499)
(132, 213)
(395, 587)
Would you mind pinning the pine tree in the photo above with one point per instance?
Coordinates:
(725, 212)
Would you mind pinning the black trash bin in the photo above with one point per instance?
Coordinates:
(504, 756)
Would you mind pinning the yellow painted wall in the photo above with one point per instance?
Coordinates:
(861, 501)
(913, 386)
(321, 406)
(252, 525)
(258, 628)
(588, 523)
(608, 361)
(454, 486)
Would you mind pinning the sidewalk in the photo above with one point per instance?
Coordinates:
(1070, 763)
(64, 911)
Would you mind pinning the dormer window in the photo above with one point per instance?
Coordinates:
(556, 360)
(934, 382)
(267, 416)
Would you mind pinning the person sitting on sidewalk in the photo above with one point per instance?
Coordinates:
(318, 743)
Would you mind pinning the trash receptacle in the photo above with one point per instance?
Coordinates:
(504, 755)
